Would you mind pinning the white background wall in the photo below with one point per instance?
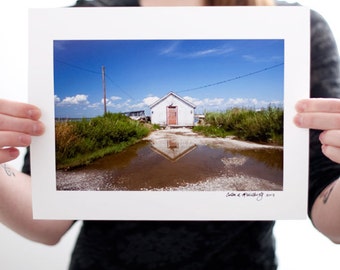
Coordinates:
(299, 246)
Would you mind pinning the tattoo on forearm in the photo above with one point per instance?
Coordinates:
(7, 170)
(327, 193)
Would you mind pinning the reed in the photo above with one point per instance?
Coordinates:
(262, 126)
(80, 142)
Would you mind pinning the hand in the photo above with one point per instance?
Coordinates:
(18, 122)
(322, 114)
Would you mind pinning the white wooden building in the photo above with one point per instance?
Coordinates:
(172, 110)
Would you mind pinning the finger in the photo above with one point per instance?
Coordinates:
(331, 105)
(14, 139)
(321, 121)
(28, 126)
(333, 153)
(8, 154)
(19, 109)
(330, 137)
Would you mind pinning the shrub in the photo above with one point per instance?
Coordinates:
(264, 126)
(90, 137)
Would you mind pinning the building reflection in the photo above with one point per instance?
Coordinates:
(172, 149)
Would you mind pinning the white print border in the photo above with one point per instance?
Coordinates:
(46, 25)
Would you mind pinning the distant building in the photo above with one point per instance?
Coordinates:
(172, 110)
(138, 115)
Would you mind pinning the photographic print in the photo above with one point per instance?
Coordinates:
(178, 114)
(183, 119)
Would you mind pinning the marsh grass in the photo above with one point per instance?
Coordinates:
(261, 126)
(80, 142)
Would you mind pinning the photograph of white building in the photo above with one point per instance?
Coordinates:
(172, 110)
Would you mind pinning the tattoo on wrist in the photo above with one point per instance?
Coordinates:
(327, 193)
(7, 170)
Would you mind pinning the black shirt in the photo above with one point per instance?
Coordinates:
(209, 244)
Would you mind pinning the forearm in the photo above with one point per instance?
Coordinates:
(16, 209)
(326, 212)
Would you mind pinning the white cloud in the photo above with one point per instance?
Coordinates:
(213, 102)
(95, 105)
(236, 101)
(210, 52)
(170, 49)
(129, 105)
(119, 106)
(205, 102)
(114, 98)
(194, 101)
(251, 102)
(249, 58)
(150, 100)
(108, 102)
(174, 49)
(139, 106)
(75, 100)
(56, 99)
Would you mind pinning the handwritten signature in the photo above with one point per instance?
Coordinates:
(258, 196)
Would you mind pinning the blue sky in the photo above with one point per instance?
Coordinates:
(215, 75)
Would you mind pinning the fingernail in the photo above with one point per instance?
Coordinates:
(25, 140)
(300, 106)
(38, 129)
(298, 120)
(34, 114)
(322, 136)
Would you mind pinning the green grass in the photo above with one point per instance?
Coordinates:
(262, 126)
(80, 142)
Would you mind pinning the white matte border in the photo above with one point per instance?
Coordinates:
(46, 25)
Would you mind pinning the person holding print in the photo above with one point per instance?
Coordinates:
(186, 244)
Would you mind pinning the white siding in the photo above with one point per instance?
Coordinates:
(185, 112)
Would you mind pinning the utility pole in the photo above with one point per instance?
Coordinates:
(104, 88)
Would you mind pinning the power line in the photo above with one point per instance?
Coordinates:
(77, 67)
(231, 79)
(95, 72)
(186, 90)
(119, 86)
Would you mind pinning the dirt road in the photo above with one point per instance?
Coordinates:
(188, 135)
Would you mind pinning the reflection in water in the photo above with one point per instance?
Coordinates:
(173, 149)
(179, 164)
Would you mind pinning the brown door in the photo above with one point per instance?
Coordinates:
(172, 115)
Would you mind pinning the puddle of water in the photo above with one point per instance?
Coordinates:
(179, 165)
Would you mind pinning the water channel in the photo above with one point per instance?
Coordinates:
(173, 161)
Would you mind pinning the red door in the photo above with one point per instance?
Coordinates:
(172, 115)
